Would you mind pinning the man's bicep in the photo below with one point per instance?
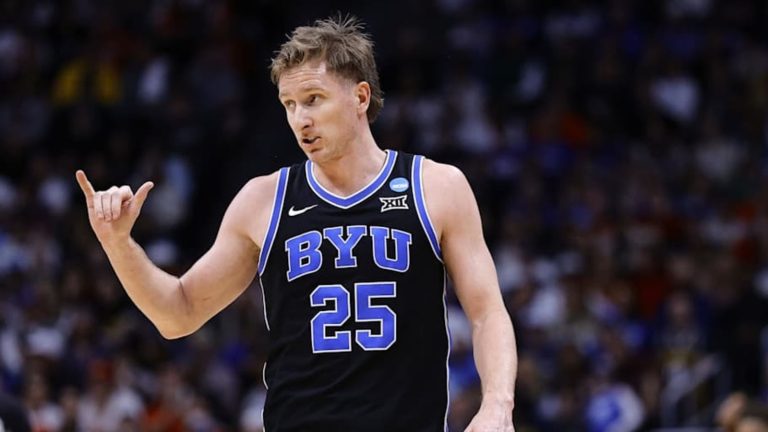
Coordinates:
(226, 269)
(231, 264)
(465, 253)
(220, 275)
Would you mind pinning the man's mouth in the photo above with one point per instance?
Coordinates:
(309, 141)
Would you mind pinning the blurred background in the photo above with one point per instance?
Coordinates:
(618, 150)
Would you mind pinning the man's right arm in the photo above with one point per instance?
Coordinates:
(178, 306)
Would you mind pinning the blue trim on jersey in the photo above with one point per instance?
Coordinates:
(274, 220)
(421, 207)
(357, 197)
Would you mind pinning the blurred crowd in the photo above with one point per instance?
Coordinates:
(618, 150)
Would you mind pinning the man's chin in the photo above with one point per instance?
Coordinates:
(316, 155)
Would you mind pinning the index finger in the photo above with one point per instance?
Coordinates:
(85, 185)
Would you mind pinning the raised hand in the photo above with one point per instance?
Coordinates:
(112, 212)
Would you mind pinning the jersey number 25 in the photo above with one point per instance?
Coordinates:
(325, 341)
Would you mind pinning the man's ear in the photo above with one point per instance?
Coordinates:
(363, 97)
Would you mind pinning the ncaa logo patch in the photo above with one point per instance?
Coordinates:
(399, 184)
(394, 203)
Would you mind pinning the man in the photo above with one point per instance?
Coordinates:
(351, 248)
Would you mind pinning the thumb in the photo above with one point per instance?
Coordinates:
(141, 194)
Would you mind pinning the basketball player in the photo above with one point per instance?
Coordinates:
(351, 248)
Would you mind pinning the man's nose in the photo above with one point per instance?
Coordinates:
(303, 118)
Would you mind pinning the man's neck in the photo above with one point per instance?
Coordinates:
(357, 167)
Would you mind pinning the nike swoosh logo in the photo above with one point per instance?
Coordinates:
(292, 212)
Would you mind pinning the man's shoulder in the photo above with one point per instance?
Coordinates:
(441, 176)
(259, 187)
(447, 193)
(255, 195)
(251, 208)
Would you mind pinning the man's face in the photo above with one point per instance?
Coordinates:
(322, 109)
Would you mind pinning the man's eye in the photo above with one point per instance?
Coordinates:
(312, 99)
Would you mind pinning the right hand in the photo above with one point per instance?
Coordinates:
(112, 212)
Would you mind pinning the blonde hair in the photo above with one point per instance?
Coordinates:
(346, 50)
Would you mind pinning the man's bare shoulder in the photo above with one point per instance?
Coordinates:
(442, 177)
(251, 208)
(447, 193)
(258, 189)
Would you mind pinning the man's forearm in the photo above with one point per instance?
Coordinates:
(496, 357)
(156, 293)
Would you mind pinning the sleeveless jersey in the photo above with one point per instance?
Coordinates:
(354, 297)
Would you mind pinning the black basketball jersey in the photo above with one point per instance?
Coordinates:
(354, 293)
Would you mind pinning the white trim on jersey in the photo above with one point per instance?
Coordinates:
(421, 206)
(269, 236)
(357, 197)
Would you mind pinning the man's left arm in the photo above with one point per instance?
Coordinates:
(454, 211)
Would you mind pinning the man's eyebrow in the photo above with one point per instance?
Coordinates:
(304, 89)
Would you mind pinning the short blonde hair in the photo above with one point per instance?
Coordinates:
(346, 50)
